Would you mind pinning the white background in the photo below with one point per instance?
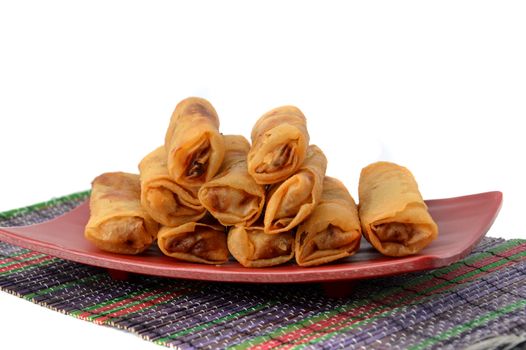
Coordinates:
(89, 87)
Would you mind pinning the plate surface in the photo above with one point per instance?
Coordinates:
(462, 222)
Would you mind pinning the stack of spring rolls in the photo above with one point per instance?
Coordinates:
(204, 196)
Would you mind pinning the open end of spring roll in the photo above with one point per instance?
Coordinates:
(252, 247)
(232, 196)
(194, 242)
(167, 202)
(294, 199)
(394, 217)
(279, 145)
(332, 231)
(194, 146)
(117, 221)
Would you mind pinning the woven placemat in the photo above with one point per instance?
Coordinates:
(477, 303)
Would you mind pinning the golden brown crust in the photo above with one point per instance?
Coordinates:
(291, 201)
(332, 231)
(195, 242)
(233, 197)
(252, 247)
(165, 201)
(194, 146)
(394, 217)
(117, 221)
(279, 145)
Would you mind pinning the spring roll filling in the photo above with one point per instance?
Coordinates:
(198, 160)
(231, 200)
(127, 230)
(204, 242)
(162, 200)
(331, 238)
(282, 156)
(270, 246)
(401, 233)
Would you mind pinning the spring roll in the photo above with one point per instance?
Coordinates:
(233, 197)
(290, 202)
(194, 146)
(117, 221)
(333, 229)
(200, 242)
(252, 247)
(164, 200)
(394, 217)
(279, 145)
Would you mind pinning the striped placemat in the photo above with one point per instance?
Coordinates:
(477, 303)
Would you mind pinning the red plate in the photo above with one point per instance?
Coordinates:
(462, 222)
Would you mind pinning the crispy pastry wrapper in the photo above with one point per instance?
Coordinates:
(233, 197)
(333, 229)
(163, 199)
(200, 242)
(252, 247)
(291, 201)
(394, 217)
(194, 146)
(117, 221)
(279, 145)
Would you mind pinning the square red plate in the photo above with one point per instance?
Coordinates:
(462, 222)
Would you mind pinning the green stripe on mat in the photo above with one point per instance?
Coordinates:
(111, 301)
(22, 251)
(129, 296)
(111, 320)
(455, 266)
(54, 201)
(258, 307)
(18, 261)
(28, 267)
(127, 305)
(128, 300)
(498, 263)
(469, 325)
(323, 335)
(388, 292)
(65, 285)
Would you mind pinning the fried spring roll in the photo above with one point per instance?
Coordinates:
(198, 242)
(394, 217)
(117, 221)
(252, 247)
(279, 145)
(164, 200)
(290, 202)
(194, 146)
(332, 231)
(233, 197)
